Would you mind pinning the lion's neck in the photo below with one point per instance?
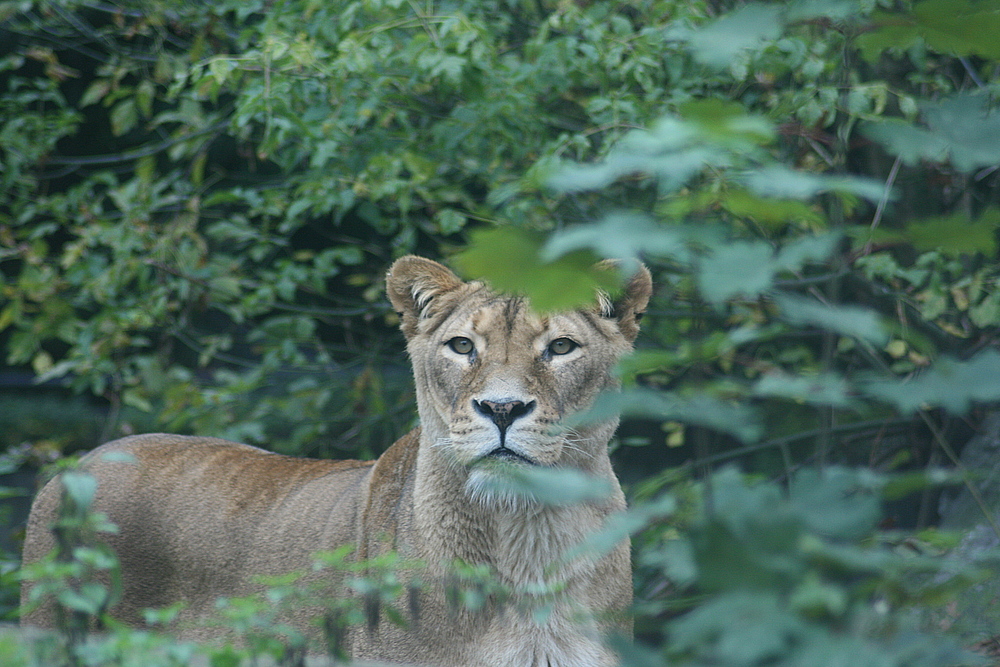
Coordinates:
(520, 544)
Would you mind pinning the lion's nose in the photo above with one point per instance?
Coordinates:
(503, 413)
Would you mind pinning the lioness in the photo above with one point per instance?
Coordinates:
(200, 518)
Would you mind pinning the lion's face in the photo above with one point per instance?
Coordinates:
(495, 380)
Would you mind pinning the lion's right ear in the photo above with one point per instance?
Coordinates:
(629, 307)
(412, 284)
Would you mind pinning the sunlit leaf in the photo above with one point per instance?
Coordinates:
(955, 234)
(509, 259)
(957, 27)
(124, 116)
(727, 122)
(95, 92)
(770, 212)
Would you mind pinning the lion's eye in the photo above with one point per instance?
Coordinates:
(562, 346)
(461, 345)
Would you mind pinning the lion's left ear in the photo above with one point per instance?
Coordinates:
(629, 306)
(412, 284)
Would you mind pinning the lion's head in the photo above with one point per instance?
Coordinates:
(494, 379)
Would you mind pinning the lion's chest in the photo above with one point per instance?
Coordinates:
(515, 641)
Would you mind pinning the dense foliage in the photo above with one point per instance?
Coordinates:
(199, 202)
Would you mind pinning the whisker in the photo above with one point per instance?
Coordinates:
(580, 450)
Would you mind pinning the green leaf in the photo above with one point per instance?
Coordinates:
(617, 236)
(95, 92)
(770, 212)
(727, 122)
(668, 151)
(781, 182)
(956, 27)
(951, 384)
(813, 598)
(707, 132)
(737, 628)
(960, 27)
(834, 10)
(738, 269)
(956, 234)
(736, 419)
(822, 389)
(807, 250)
(850, 321)
(450, 221)
(747, 29)
(509, 259)
(144, 96)
(835, 503)
(620, 526)
(548, 486)
(910, 143)
(119, 457)
(90, 599)
(900, 485)
(124, 116)
(961, 129)
(80, 487)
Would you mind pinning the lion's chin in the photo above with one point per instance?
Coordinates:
(506, 455)
(489, 484)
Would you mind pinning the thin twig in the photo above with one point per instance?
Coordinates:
(950, 453)
(881, 204)
(803, 435)
(971, 72)
(127, 156)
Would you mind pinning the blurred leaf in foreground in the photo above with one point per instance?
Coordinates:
(738, 420)
(746, 29)
(852, 321)
(617, 236)
(958, 27)
(548, 486)
(948, 383)
(508, 259)
(962, 129)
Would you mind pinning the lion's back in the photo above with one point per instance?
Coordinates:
(199, 517)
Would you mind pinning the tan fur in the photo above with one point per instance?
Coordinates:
(199, 518)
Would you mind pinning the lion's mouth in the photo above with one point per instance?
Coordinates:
(502, 453)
